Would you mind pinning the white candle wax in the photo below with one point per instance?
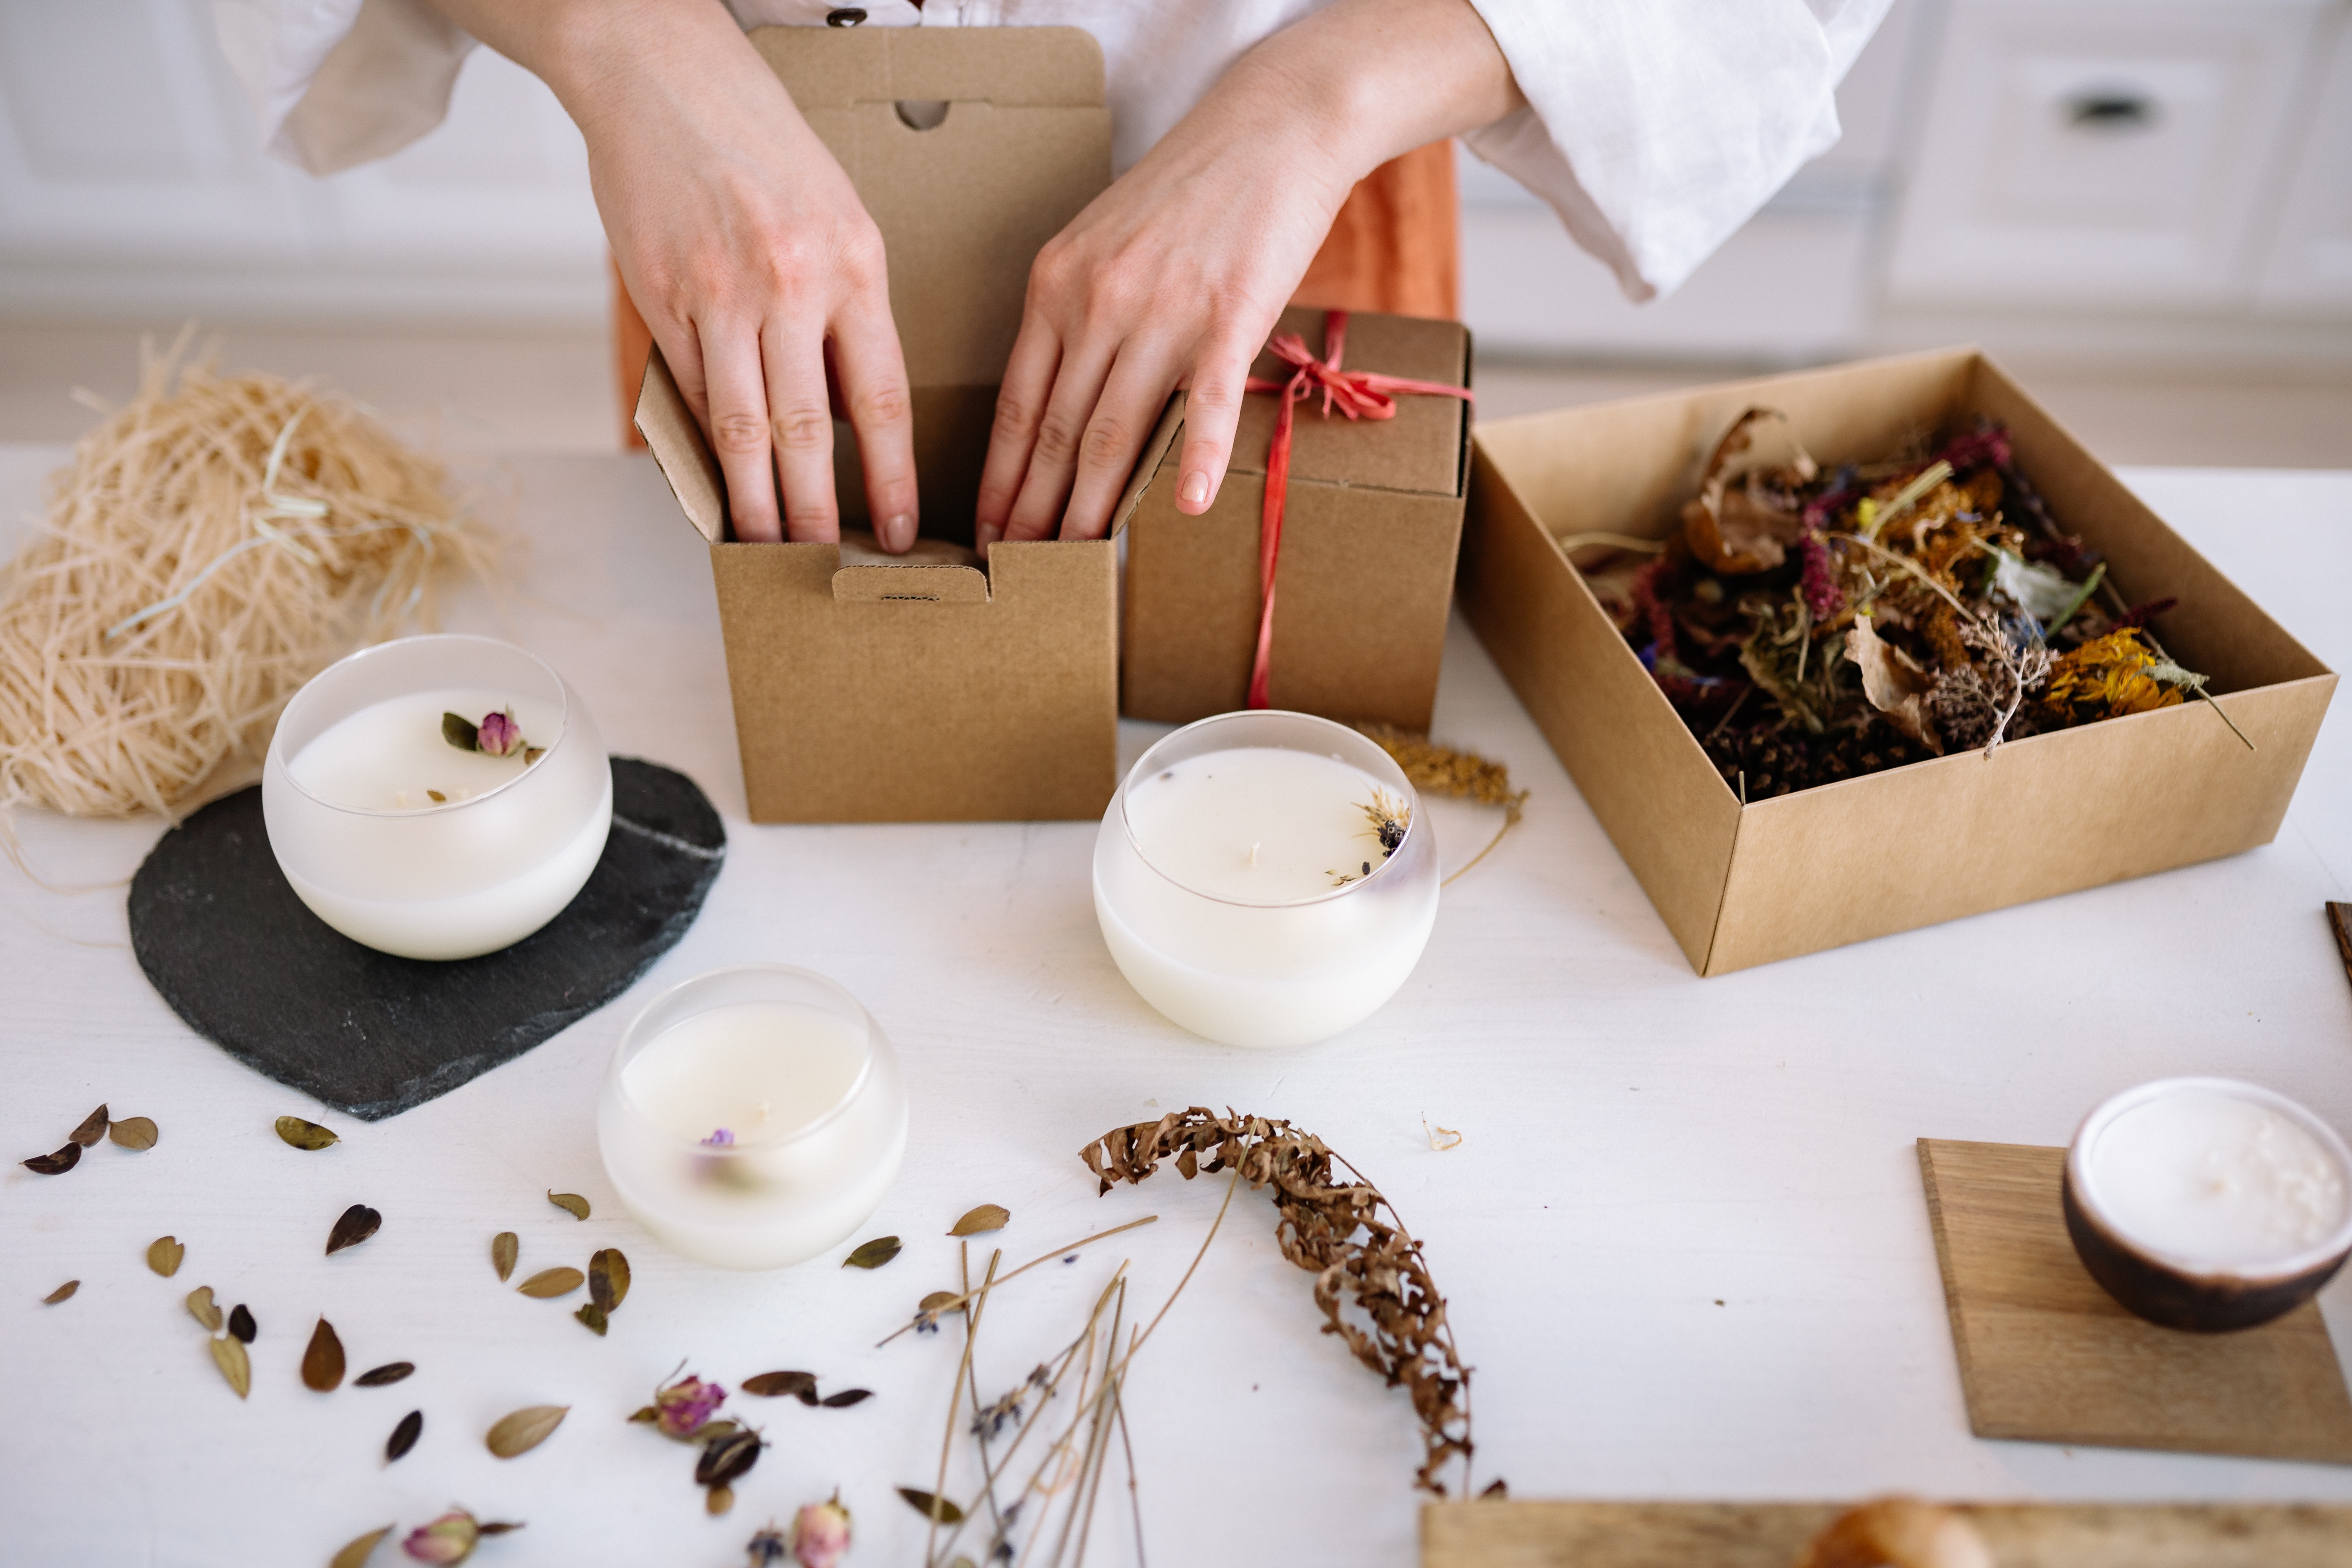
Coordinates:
(751, 1127)
(1248, 894)
(2211, 1177)
(392, 756)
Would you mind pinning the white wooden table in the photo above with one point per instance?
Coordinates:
(1682, 1237)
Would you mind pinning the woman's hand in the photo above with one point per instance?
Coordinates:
(742, 243)
(1175, 275)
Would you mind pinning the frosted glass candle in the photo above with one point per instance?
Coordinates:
(753, 1117)
(1245, 893)
(408, 844)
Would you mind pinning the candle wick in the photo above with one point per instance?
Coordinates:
(1254, 853)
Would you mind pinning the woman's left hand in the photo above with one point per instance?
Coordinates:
(1174, 276)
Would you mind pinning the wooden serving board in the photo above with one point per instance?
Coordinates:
(2047, 1355)
(1774, 1535)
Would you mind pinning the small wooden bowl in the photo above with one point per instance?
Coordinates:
(2183, 1292)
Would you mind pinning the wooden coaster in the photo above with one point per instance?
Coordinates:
(2048, 1356)
(1496, 1534)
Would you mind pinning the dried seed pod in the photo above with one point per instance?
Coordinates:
(719, 1499)
(132, 1132)
(200, 1308)
(323, 1359)
(228, 1354)
(525, 1429)
(241, 1326)
(550, 1283)
(930, 1507)
(55, 1164)
(504, 1248)
(729, 1458)
(304, 1134)
(357, 1552)
(164, 1255)
(61, 1293)
(571, 1203)
(358, 1222)
(770, 1384)
(873, 1254)
(986, 1218)
(390, 1372)
(92, 1128)
(846, 1398)
(403, 1437)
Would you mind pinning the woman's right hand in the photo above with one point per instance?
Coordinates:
(743, 245)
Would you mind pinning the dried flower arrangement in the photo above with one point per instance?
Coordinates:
(1814, 624)
(1433, 768)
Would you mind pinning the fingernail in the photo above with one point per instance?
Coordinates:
(898, 532)
(1196, 489)
(985, 534)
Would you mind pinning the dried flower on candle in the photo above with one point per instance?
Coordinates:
(721, 1139)
(498, 735)
(1390, 818)
(821, 1534)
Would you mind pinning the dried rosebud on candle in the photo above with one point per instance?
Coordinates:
(449, 1538)
(821, 1534)
(721, 1139)
(686, 1405)
(499, 735)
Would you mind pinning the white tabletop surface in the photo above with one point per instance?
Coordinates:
(1682, 1237)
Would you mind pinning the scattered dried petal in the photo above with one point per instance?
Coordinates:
(200, 1308)
(228, 1354)
(323, 1359)
(550, 1283)
(61, 1293)
(930, 1507)
(132, 1132)
(390, 1372)
(241, 1326)
(304, 1134)
(873, 1254)
(164, 1255)
(92, 1127)
(773, 1385)
(359, 1550)
(846, 1398)
(55, 1164)
(821, 1534)
(403, 1437)
(608, 1278)
(358, 1222)
(986, 1218)
(595, 1318)
(728, 1459)
(504, 1248)
(525, 1429)
(571, 1203)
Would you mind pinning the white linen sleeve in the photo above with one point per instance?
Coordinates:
(1655, 128)
(339, 83)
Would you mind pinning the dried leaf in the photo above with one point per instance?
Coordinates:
(164, 1255)
(390, 1372)
(846, 1398)
(323, 1359)
(608, 1278)
(61, 1293)
(459, 731)
(571, 1203)
(550, 1283)
(987, 1217)
(595, 1318)
(305, 1134)
(55, 1164)
(719, 1499)
(525, 1429)
(873, 1254)
(200, 1308)
(504, 1247)
(358, 1222)
(241, 1326)
(357, 1553)
(92, 1128)
(132, 1132)
(773, 1385)
(930, 1506)
(1895, 684)
(729, 1458)
(228, 1354)
(403, 1437)
(497, 1527)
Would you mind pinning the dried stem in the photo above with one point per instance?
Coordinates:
(932, 1316)
(955, 1408)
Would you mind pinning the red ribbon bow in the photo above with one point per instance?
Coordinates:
(1359, 394)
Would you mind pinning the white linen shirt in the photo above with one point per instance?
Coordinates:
(1654, 128)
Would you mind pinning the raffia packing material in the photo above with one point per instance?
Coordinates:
(1742, 884)
(923, 691)
(1365, 577)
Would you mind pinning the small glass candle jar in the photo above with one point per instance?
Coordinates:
(753, 1117)
(1264, 878)
(2208, 1204)
(400, 838)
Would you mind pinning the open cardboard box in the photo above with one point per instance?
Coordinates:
(922, 689)
(1741, 885)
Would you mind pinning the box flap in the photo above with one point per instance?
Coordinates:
(933, 585)
(1147, 464)
(1420, 450)
(674, 434)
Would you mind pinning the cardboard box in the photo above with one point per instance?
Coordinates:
(1887, 852)
(1365, 577)
(924, 690)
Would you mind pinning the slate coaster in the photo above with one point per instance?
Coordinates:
(2047, 1355)
(222, 936)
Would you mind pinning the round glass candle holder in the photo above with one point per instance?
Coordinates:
(440, 879)
(1273, 973)
(746, 1195)
(2125, 1207)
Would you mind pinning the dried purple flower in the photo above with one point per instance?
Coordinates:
(686, 1406)
(448, 1540)
(821, 1534)
(767, 1549)
(499, 735)
(721, 1139)
(1823, 597)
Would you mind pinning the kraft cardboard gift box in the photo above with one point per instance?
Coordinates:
(1746, 884)
(1365, 576)
(927, 688)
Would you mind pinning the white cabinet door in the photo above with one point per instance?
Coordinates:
(2116, 154)
(2309, 267)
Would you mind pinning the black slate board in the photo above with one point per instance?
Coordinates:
(245, 962)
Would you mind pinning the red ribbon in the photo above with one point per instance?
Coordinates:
(1359, 394)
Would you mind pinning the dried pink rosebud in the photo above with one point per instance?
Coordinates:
(449, 1538)
(686, 1405)
(721, 1139)
(821, 1534)
(499, 735)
